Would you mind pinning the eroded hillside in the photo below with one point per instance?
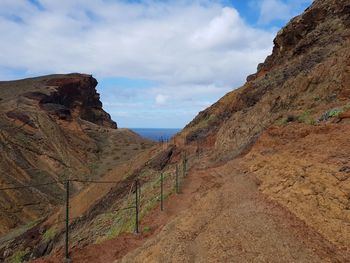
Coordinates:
(268, 169)
(307, 73)
(53, 128)
(292, 118)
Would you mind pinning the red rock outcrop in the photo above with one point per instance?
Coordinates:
(51, 127)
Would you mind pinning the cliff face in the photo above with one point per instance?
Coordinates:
(51, 128)
(80, 99)
(68, 97)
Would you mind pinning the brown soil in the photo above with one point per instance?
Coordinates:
(51, 127)
(220, 216)
(279, 191)
(306, 169)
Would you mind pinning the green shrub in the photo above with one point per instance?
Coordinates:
(18, 256)
(49, 234)
(335, 112)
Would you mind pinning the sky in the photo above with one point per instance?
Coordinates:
(158, 63)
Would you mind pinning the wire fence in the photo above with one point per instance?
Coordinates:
(135, 189)
(29, 186)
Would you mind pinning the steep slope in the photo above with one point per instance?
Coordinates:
(268, 176)
(51, 128)
(306, 169)
(308, 72)
(287, 132)
(102, 210)
(297, 106)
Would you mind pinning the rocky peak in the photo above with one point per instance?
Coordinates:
(322, 24)
(73, 95)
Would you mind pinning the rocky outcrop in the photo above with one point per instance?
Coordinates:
(76, 95)
(51, 127)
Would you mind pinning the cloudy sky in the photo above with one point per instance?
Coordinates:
(158, 63)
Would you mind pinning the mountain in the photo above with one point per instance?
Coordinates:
(267, 170)
(290, 121)
(52, 127)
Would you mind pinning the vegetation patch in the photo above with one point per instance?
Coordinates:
(334, 113)
(123, 220)
(147, 207)
(18, 256)
(146, 229)
(49, 234)
(285, 120)
(206, 121)
(306, 118)
(202, 123)
(32, 223)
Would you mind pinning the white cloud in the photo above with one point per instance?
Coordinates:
(271, 10)
(169, 42)
(220, 31)
(161, 99)
(195, 50)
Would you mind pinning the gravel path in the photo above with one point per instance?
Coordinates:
(229, 220)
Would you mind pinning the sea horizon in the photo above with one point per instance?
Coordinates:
(156, 134)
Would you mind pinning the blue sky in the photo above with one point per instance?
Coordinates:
(158, 63)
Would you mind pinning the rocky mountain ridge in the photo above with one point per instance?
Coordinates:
(51, 128)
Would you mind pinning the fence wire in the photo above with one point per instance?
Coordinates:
(135, 188)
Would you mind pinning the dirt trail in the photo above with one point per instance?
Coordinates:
(220, 217)
(231, 221)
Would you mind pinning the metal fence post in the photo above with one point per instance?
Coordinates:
(177, 179)
(139, 187)
(136, 207)
(67, 223)
(161, 192)
(184, 163)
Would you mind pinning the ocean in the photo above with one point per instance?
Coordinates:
(156, 134)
